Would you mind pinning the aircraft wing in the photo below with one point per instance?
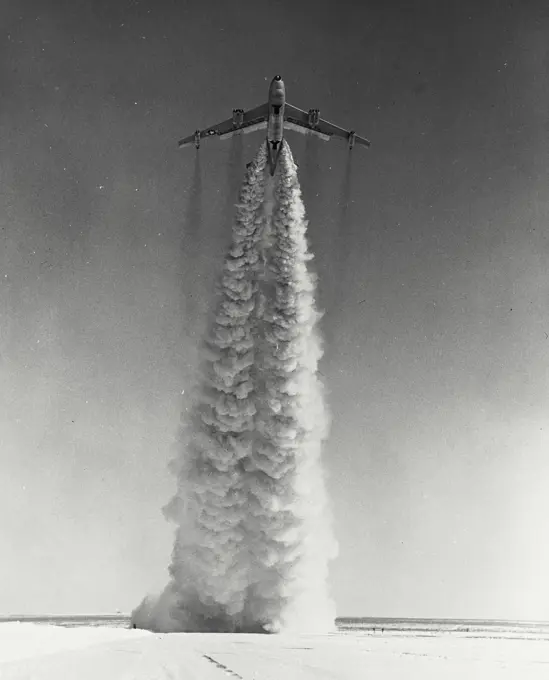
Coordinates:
(295, 115)
(335, 131)
(219, 129)
(254, 119)
(299, 120)
(256, 115)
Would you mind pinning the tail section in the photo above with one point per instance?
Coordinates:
(273, 152)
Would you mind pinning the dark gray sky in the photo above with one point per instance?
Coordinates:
(434, 284)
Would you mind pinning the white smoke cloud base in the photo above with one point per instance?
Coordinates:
(253, 539)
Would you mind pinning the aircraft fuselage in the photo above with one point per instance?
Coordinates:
(275, 123)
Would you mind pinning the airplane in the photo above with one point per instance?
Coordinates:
(275, 116)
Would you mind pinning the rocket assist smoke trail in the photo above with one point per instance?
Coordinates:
(290, 537)
(209, 566)
(252, 541)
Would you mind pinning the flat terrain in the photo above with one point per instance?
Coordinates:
(43, 652)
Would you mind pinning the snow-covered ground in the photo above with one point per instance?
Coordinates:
(42, 652)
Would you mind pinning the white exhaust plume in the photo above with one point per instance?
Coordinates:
(253, 540)
(290, 536)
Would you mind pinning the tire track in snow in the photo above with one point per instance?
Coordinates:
(227, 670)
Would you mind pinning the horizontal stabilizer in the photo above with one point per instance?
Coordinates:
(304, 130)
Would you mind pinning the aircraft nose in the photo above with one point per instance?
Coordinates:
(276, 90)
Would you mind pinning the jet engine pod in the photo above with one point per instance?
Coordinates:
(238, 117)
(314, 117)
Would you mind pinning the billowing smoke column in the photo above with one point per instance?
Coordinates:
(253, 538)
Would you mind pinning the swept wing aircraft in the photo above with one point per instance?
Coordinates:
(275, 116)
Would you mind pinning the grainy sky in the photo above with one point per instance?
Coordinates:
(434, 282)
